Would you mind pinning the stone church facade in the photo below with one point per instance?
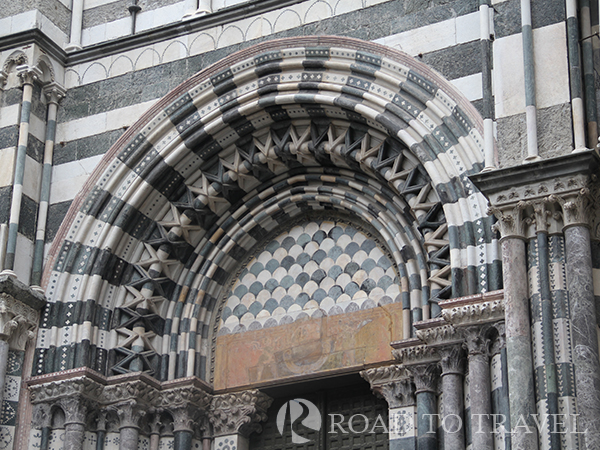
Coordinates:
(294, 224)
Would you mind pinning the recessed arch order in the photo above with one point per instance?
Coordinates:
(141, 265)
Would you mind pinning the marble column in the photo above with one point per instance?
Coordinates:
(183, 426)
(499, 386)
(101, 430)
(426, 378)
(130, 413)
(155, 425)
(452, 363)
(584, 333)
(477, 345)
(519, 355)
(75, 409)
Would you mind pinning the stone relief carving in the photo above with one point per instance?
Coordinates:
(239, 413)
(17, 322)
(492, 311)
(393, 383)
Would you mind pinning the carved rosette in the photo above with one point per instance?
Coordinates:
(239, 413)
(18, 322)
(393, 383)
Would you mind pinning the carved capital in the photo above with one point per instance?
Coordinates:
(393, 383)
(511, 222)
(18, 322)
(500, 341)
(54, 92)
(239, 412)
(130, 413)
(75, 409)
(452, 359)
(477, 342)
(578, 208)
(184, 417)
(28, 75)
(3, 78)
(182, 397)
(425, 377)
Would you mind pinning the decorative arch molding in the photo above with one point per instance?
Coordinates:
(141, 265)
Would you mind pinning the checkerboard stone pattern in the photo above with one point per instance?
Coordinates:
(319, 268)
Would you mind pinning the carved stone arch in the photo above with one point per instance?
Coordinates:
(45, 65)
(250, 144)
(16, 58)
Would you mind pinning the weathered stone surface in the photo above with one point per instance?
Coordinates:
(444, 61)
(554, 135)
(54, 10)
(584, 332)
(57, 213)
(86, 147)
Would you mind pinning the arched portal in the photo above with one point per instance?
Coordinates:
(306, 132)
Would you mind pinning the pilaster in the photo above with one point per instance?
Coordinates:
(235, 416)
(395, 385)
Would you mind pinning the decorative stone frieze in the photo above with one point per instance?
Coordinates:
(55, 390)
(393, 383)
(557, 190)
(436, 332)
(239, 412)
(412, 351)
(490, 311)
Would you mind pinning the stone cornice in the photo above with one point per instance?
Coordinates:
(413, 351)
(547, 195)
(19, 291)
(436, 332)
(537, 180)
(474, 309)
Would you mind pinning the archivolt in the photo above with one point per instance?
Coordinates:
(242, 147)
